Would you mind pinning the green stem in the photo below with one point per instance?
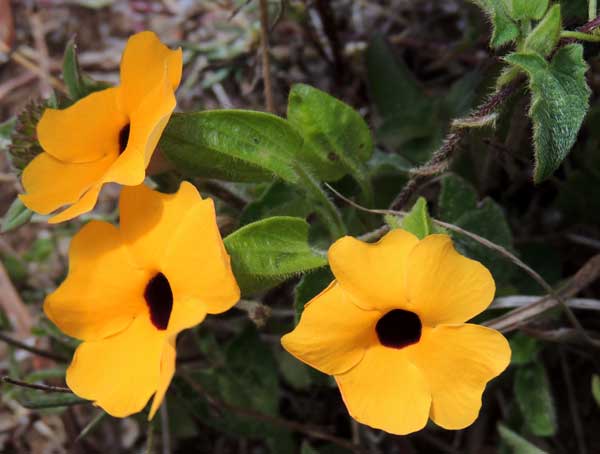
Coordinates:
(329, 213)
(592, 9)
(580, 36)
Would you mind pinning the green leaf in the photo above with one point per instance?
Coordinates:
(267, 252)
(78, 85)
(279, 199)
(596, 388)
(457, 196)
(233, 145)
(505, 29)
(560, 100)
(17, 215)
(307, 449)
(337, 139)
(524, 349)
(417, 221)
(253, 364)
(534, 398)
(37, 400)
(544, 37)
(310, 286)
(6, 130)
(516, 442)
(296, 373)
(246, 379)
(527, 9)
(410, 117)
(489, 221)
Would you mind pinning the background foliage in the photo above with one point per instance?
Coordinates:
(486, 111)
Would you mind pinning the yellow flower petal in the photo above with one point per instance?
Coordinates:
(95, 301)
(121, 372)
(149, 219)
(85, 131)
(373, 273)
(186, 313)
(50, 184)
(444, 286)
(202, 272)
(386, 391)
(148, 121)
(145, 60)
(333, 333)
(167, 370)
(457, 362)
(85, 204)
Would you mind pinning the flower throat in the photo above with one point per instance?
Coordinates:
(159, 297)
(399, 328)
(124, 137)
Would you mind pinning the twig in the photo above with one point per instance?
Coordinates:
(440, 159)
(266, 57)
(13, 305)
(291, 425)
(47, 388)
(510, 302)
(329, 27)
(149, 438)
(37, 30)
(516, 318)
(36, 351)
(579, 433)
(164, 428)
(20, 59)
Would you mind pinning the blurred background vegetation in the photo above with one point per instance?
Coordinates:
(409, 67)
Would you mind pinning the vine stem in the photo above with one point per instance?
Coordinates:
(36, 351)
(592, 9)
(440, 159)
(580, 36)
(47, 388)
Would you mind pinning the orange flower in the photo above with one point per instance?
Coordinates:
(108, 136)
(131, 290)
(391, 329)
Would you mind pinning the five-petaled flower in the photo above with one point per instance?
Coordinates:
(131, 290)
(391, 329)
(108, 136)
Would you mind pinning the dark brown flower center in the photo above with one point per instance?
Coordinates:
(123, 138)
(159, 297)
(399, 328)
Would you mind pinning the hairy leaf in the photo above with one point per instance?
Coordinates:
(337, 139)
(233, 145)
(267, 252)
(544, 37)
(560, 100)
(505, 29)
(527, 9)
